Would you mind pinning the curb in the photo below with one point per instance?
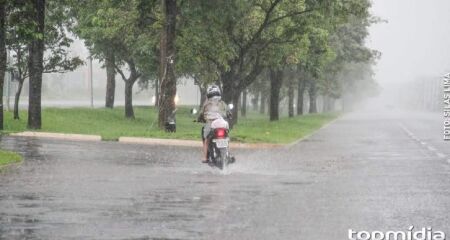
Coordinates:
(62, 136)
(160, 141)
(191, 143)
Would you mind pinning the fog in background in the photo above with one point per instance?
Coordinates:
(73, 88)
(415, 47)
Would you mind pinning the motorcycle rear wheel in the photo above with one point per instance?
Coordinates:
(223, 158)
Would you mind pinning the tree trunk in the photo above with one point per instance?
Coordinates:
(35, 66)
(167, 58)
(291, 98)
(262, 106)
(16, 100)
(244, 103)
(156, 92)
(110, 78)
(255, 102)
(300, 95)
(2, 56)
(129, 112)
(235, 110)
(202, 95)
(331, 104)
(312, 97)
(326, 104)
(276, 79)
(230, 94)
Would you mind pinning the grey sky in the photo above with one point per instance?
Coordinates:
(416, 40)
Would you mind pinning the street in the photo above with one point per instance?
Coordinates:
(366, 172)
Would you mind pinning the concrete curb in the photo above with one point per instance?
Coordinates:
(160, 141)
(191, 143)
(62, 136)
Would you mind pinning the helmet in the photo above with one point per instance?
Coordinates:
(213, 91)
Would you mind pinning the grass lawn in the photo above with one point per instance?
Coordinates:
(111, 124)
(7, 157)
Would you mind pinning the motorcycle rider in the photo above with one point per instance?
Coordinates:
(212, 109)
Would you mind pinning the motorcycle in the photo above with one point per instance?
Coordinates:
(218, 149)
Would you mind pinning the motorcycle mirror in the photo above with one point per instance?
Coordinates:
(230, 106)
(193, 111)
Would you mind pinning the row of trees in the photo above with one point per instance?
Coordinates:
(245, 46)
(128, 36)
(35, 34)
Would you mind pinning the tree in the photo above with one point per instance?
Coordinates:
(129, 82)
(35, 64)
(260, 88)
(238, 36)
(56, 43)
(290, 92)
(347, 42)
(241, 36)
(110, 79)
(244, 103)
(301, 85)
(276, 80)
(95, 35)
(2, 55)
(167, 62)
(119, 33)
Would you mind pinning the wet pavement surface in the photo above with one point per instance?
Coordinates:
(365, 172)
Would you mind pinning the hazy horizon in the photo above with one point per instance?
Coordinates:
(414, 42)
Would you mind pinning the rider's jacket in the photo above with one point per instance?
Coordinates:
(214, 108)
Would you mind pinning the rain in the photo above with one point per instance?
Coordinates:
(336, 120)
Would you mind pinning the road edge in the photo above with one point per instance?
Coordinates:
(14, 162)
(62, 136)
(191, 143)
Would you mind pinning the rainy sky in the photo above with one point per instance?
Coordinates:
(414, 43)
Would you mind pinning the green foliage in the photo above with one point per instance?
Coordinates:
(122, 27)
(20, 33)
(231, 42)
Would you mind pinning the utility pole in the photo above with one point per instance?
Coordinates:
(91, 85)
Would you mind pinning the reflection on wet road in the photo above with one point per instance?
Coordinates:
(362, 172)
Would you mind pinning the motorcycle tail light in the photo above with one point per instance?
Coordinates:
(221, 132)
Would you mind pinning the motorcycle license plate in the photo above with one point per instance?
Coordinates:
(221, 143)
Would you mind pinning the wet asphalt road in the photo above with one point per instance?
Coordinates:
(366, 172)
